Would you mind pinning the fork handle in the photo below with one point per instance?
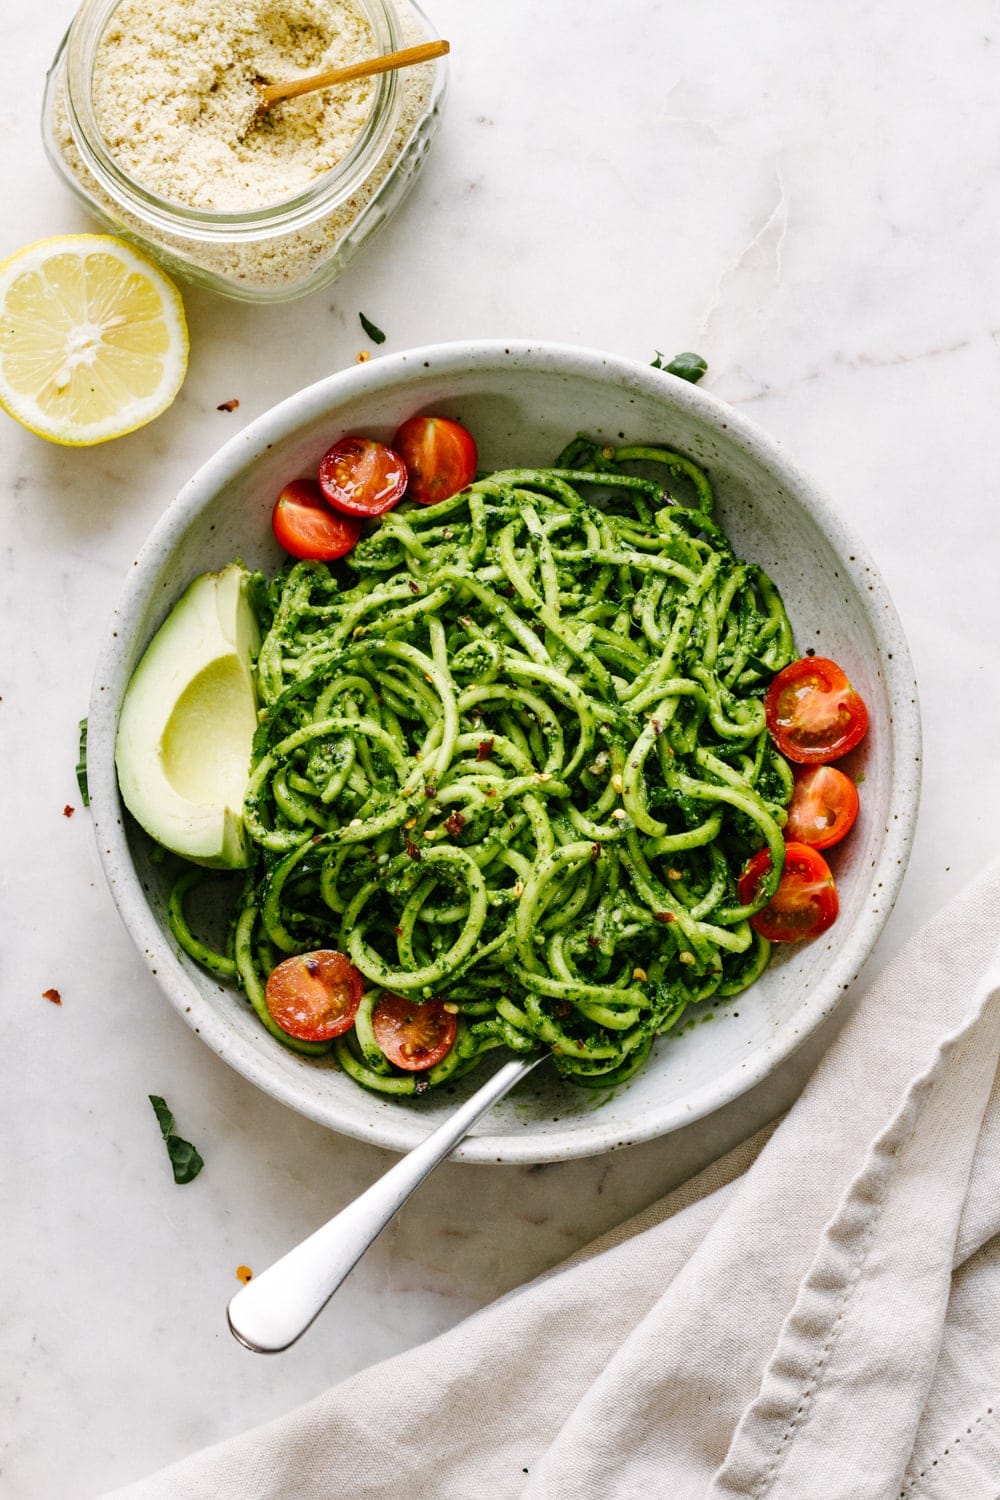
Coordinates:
(276, 1307)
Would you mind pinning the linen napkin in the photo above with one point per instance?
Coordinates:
(816, 1316)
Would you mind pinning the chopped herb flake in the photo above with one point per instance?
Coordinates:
(183, 1157)
(375, 334)
(686, 366)
(81, 765)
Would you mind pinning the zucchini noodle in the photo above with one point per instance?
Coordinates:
(512, 755)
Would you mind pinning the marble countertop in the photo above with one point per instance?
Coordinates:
(809, 197)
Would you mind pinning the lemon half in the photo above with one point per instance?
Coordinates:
(93, 340)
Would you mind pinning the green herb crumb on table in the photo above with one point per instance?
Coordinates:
(373, 331)
(81, 765)
(184, 1159)
(686, 366)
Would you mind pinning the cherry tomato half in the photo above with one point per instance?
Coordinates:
(305, 526)
(823, 808)
(361, 477)
(314, 996)
(412, 1035)
(440, 458)
(813, 713)
(805, 903)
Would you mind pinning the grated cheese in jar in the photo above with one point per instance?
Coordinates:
(148, 118)
(174, 96)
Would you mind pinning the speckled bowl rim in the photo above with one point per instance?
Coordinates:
(386, 373)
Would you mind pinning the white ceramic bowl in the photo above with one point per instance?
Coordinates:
(522, 402)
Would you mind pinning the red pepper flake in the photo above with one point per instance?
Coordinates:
(593, 942)
(664, 916)
(68, 810)
(52, 995)
(455, 824)
(430, 790)
(398, 931)
(230, 405)
(657, 726)
(485, 749)
(563, 1008)
(413, 850)
(595, 852)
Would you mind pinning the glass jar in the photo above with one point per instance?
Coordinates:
(263, 254)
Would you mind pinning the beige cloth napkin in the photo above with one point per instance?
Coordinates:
(816, 1316)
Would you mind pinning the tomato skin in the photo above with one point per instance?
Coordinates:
(413, 1035)
(305, 526)
(813, 713)
(805, 903)
(824, 807)
(360, 477)
(440, 457)
(314, 996)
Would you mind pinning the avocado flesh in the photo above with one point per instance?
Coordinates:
(188, 720)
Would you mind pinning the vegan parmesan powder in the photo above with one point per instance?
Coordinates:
(172, 93)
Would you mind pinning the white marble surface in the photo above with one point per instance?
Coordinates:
(810, 197)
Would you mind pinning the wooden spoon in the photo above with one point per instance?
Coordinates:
(273, 93)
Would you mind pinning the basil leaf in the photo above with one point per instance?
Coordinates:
(81, 765)
(375, 334)
(184, 1159)
(163, 1115)
(686, 366)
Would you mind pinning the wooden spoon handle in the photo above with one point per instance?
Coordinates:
(273, 93)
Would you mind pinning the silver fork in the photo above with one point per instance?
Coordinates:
(276, 1307)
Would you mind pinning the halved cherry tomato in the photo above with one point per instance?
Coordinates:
(413, 1035)
(823, 808)
(440, 458)
(805, 902)
(305, 526)
(813, 713)
(315, 996)
(361, 477)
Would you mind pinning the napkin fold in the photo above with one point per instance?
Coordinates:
(815, 1316)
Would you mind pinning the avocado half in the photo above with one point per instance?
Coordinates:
(187, 723)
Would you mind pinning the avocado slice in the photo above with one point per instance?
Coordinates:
(187, 723)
